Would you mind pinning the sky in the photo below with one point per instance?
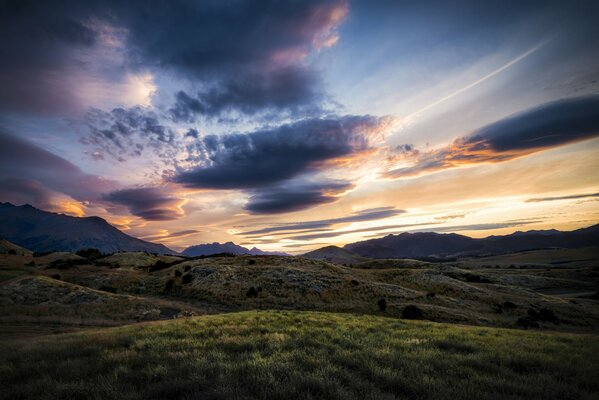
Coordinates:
(290, 125)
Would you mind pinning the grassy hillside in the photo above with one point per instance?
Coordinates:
(471, 291)
(303, 355)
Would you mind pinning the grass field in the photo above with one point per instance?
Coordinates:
(303, 355)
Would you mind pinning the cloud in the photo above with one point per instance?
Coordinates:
(264, 157)
(127, 132)
(481, 227)
(362, 230)
(360, 216)
(568, 197)
(178, 234)
(44, 45)
(25, 161)
(149, 203)
(287, 91)
(294, 196)
(550, 125)
(25, 191)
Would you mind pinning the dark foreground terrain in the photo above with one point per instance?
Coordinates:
(138, 325)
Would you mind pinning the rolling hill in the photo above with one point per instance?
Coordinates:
(335, 255)
(43, 231)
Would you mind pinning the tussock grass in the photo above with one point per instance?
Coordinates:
(301, 355)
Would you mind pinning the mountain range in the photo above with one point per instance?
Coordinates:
(44, 231)
(228, 247)
(431, 244)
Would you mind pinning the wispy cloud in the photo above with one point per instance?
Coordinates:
(360, 216)
(567, 197)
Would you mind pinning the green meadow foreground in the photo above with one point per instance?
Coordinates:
(303, 355)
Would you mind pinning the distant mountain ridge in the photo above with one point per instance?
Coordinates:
(43, 231)
(431, 244)
(208, 249)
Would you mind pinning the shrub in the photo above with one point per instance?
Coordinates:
(187, 268)
(252, 292)
(169, 285)
(159, 265)
(177, 273)
(251, 262)
(382, 303)
(12, 251)
(259, 289)
(526, 322)
(412, 312)
(187, 278)
(109, 289)
(476, 279)
(509, 304)
(90, 254)
(56, 276)
(354, 282)
(31, 264)
(545, 315)
(431, 295)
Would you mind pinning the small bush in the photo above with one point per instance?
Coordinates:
(159, 265)
(251, 262)
(382, 303)
(12, 251)
(412, 312)
(252, 292)
(527, 322)
(56, 276)
(259, 289)
(169, 285)
(545, 315)
(90, 254)
(354, 282)
(187, 278)
(431, 295)
(476, 279)
(31, 264)
(509, 304)
(109, 289)
(177, 273)
(187, 268)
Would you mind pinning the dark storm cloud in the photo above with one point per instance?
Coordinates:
(25, 191)
(20, 159)
(204, 41)
(128, 132)
(149, 203)
(294, 196)
(569, 197)
(364, 215)
(288, 90)
(550, 125)
(264, 157)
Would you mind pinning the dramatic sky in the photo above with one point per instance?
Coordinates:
(288, 125)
